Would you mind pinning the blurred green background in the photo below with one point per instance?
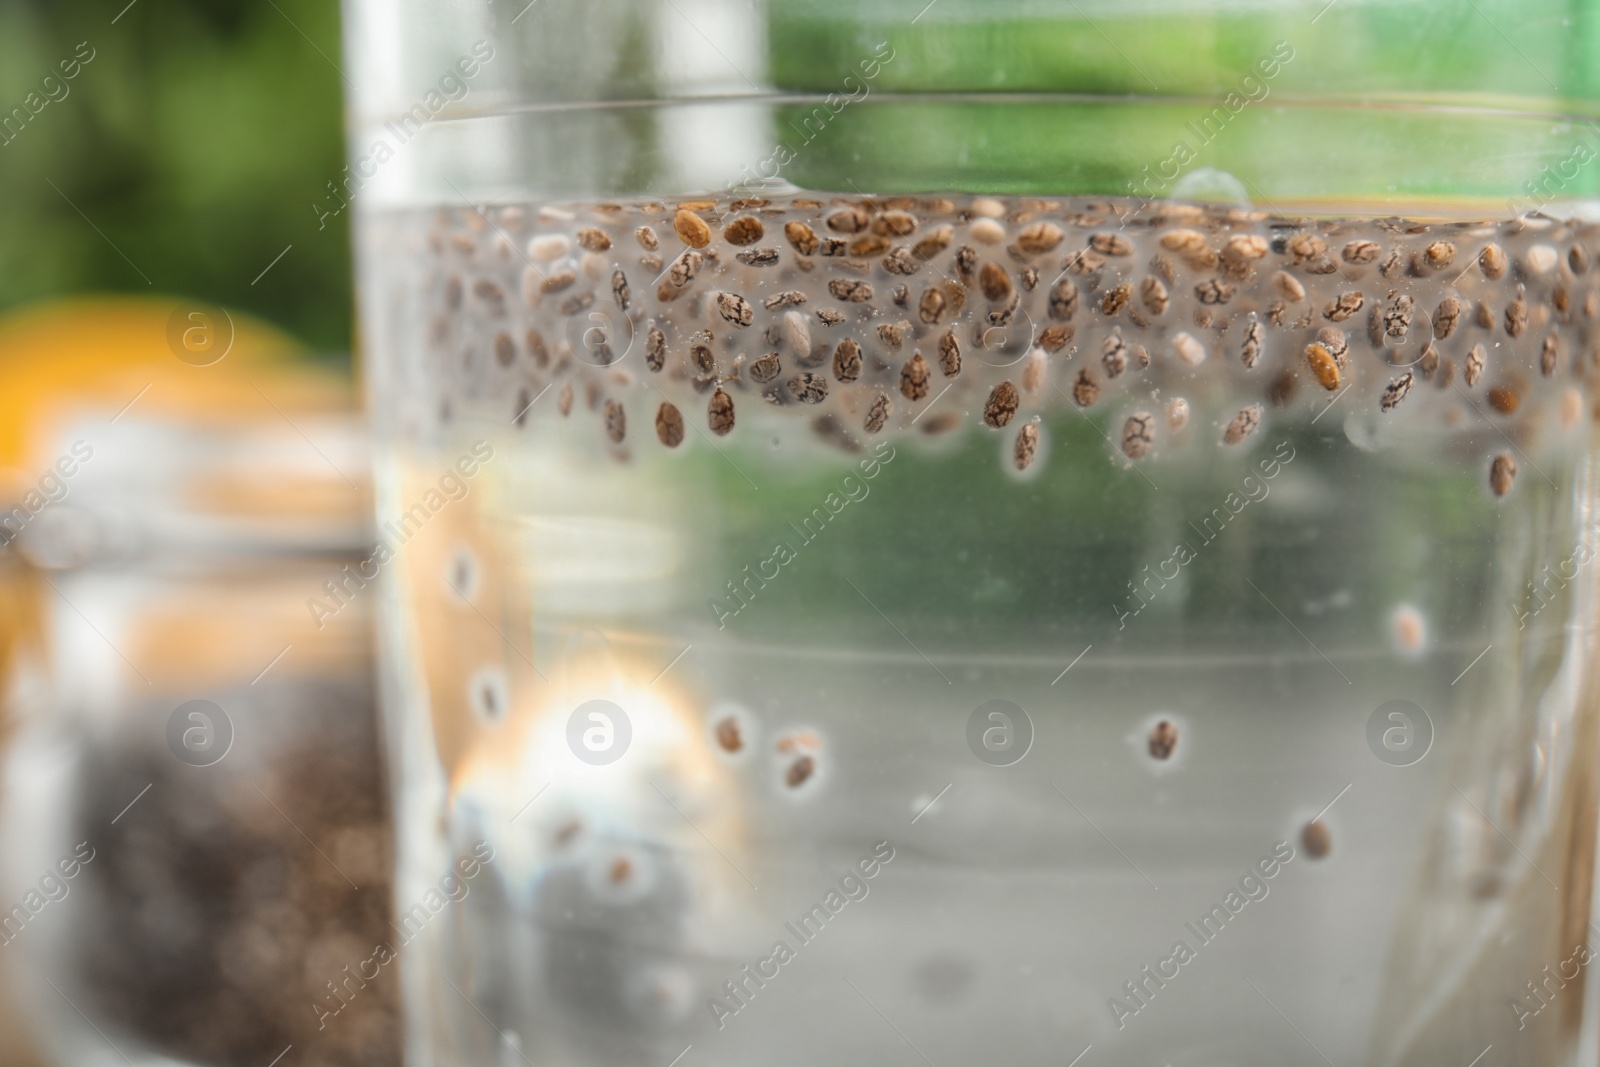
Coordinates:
(183, 157)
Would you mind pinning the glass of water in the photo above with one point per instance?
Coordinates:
(917, 532)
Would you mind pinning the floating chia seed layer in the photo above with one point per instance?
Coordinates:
(1172, 325)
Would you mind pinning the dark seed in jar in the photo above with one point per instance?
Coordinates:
(1003, 314)
(728, 735)
(735, 309)
(744, 230)
(1138, 434)
(669, 425)
(1111, 244)
(1027, 446)
(893, 334)
(1483, 316)
(799, 772)
(809, 388)
(914, 378)
(1548, 355)
(1474, 369)
(564, 399)
(802, 237)
(966, 263)
(1163, 740)
(847, 361)
(1316, 840)
(1085, 391)
(616, 421)
(994, 281)
(1212, 291)
(1039, 237)
(505, 349)
(1492, 261)
(619, 290)
(829, 317)
(593, 240)
(1055, 338)
(848, 220)
(1502, 472)
(933, 242)
(787, 298)
(691, 229)
(1153, 294)
(1340, 309)
(1114, 355)
(555, 283)
(902, 262)
(1396, 391)
(720, 412)
(1439, 255)
(1360, 252)
(758, 257)
(1250, 350)
(766, 368)
(878, 414)
(1242, 425)
(1504, 399)
(1445, 317)
(1064, 300)
(949, 354)
(1516, 317)
(1001, 405)
(571, 305)
(894, 224)
(1116, 299)
(931, 307)
(646, 238)
(868, 245)
(1397, 320)
(850, 290)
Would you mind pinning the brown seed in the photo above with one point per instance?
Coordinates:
(619, 290)
(1316, 839)
(1244, 248)
(555, 283)
(1138, 434)
(848, 220)
(878, 414)
(691, 229)
(646, 238)
(1502, 472)
(1289, 286)
(1111, 244)
(1116, 299)
(1038, 237)
(1397, 320)
(933, 242)
(1002, 405)
(1323, 366)
(850, 290)
(787, 298)
(950, 354)
(966, 263)
(994, 281)
(1492, 261)
(1034, 368)
(669, 425)
(1282, 387)
(1338, 345)
(685, 267)
(735, 309)
(700, 355)
(766, 368)
(1002, 315)
(931, 306)
(1445, 317)
(893, 334)
(744, 230)
(894, 224)
(575, 303)
(1242, 425)
(720, 413)
(1085, 391)
(728, 735)
(1188, 349)
(1163, 740)
(1504, 399)
(1026, 447)
(869, 244)
(799, 772)
(1429, 363)
(1114, 355)
(593, 240)
(1342, 308)
(1475, 361)
(1516, 317)
(1177, 413)
(809, 388)
(1578, 259)
(1055, 338)
(1153, 294)
(616, 421)
(901, 262)
(1483, 316)
(1085, 261)
(847, 361)
(802, 237)
(564, 399)
(1212, 291)
(1360, 252)
(1029, 278)
(1548, 356)
(1395, 392)
(1187, 243)
(829, 317)
(1254, 336)
(505, 349)
(914, 378)
(1439, 255)
(1064, 300)
(1306, 246)
(1447, 372)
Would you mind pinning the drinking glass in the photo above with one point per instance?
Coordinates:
(919, 532)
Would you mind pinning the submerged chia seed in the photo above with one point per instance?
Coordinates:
(821, 310)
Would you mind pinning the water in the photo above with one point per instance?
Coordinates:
(682, 680)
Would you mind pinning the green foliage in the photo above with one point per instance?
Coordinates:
(196, 140)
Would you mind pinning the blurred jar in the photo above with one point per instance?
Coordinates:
(195, 840)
